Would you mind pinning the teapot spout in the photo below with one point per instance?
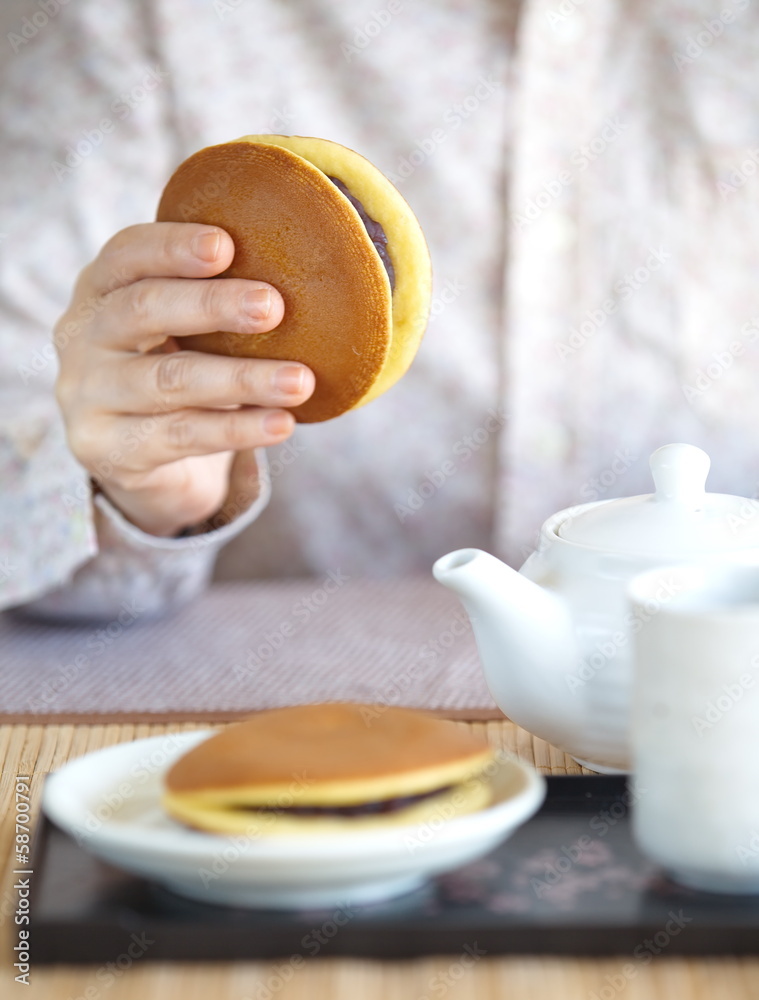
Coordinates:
(525, 637)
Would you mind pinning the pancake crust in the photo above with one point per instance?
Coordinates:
(294, 229)
(405, 244)
(333, 753)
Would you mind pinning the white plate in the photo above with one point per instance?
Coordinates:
(109, 802)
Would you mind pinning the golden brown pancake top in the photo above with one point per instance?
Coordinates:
(329, 742)
(292, 228)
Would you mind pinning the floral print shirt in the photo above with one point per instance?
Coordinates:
(587, 179)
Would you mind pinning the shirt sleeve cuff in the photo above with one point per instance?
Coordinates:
(148, 575)
(249, 493)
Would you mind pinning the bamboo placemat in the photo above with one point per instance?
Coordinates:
(242, 647)
(35, 750)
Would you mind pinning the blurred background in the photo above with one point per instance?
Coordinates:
(585, 176)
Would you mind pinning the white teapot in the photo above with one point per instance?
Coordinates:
(555, 639)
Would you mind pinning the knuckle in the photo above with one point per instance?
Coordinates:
(172, 373)
(64, 387)
(176, 243)
(65, 392)
(66, 330)
(245, 381)
(85, 279)
(82, 441)
(138, 302)
(213, 299)
(113, 250)
(110, 269)
(180, 431)
(61, 336)
(126, 479)
(89, 384)
(237, 430)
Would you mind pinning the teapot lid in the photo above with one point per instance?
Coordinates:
(679, 519)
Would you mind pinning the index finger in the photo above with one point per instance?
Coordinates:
(159, 250)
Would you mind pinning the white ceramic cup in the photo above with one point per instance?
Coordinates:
(695, 723)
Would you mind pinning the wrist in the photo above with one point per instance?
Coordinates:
(155, 516)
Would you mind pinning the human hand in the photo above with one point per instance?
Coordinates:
(157, 425)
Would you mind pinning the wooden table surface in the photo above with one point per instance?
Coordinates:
(35, 750)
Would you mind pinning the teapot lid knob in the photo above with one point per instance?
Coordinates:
(680, 521)
(680, 472)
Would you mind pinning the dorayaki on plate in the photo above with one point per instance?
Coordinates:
(331, 233)
(328, 768)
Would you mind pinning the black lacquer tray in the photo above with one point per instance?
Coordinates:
(570, 881)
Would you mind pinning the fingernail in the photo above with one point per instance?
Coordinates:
(288, 378)
(257, 303)
(206, 246)
(278, 423)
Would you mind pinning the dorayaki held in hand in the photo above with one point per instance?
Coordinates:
(322, 225)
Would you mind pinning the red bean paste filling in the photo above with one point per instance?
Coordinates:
(374, 229)
(359, 809)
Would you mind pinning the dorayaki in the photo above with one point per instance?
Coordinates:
(327, 229)
(329, 767)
